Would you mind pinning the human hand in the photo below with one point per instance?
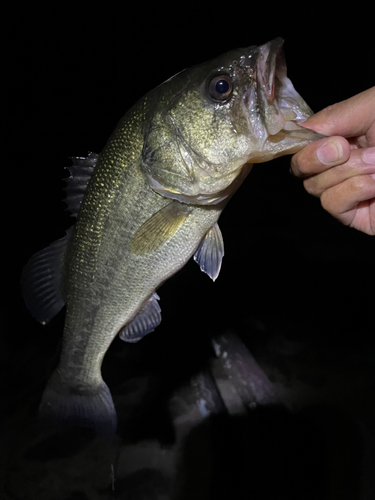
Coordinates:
(341, 168)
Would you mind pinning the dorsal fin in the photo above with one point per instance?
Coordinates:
(76, 183)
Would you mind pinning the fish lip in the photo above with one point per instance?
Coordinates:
(270, 64)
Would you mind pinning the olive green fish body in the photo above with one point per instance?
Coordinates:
(104, 274)
(107, 282)
(105, 293)
(151, 201)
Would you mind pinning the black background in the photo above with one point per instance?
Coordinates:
(70, 73)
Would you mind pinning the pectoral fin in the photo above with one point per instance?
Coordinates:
(145, 322)
(160, 228)
(210, 252)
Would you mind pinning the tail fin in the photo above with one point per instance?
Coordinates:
(90, 406)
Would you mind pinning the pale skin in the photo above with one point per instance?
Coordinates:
(340, 169)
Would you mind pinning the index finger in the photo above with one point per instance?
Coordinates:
(350, 118)
(320, 155)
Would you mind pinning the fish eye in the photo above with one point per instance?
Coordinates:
(221, 87)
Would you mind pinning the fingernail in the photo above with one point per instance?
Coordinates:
(330, 153)
(368, 156)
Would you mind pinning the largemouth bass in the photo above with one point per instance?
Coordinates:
(147, 204)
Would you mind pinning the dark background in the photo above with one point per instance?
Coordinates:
(291, 274)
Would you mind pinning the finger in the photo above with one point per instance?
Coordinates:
(342, 199)
(350, 118)
(320, 155)
(360, 162)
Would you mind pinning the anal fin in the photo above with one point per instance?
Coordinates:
(211, 252)
(148, 318)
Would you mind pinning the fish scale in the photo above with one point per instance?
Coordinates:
(120, 153)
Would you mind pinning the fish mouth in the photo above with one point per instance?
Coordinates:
(280, 106)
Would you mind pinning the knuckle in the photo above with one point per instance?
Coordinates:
(300, 164)
(372, 222)
(303, 169)
(330, 115)
(329, 110)
(357, 183)
(328, 202)
(311, 186)
(295, 165)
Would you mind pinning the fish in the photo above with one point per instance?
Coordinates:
(148, 203)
